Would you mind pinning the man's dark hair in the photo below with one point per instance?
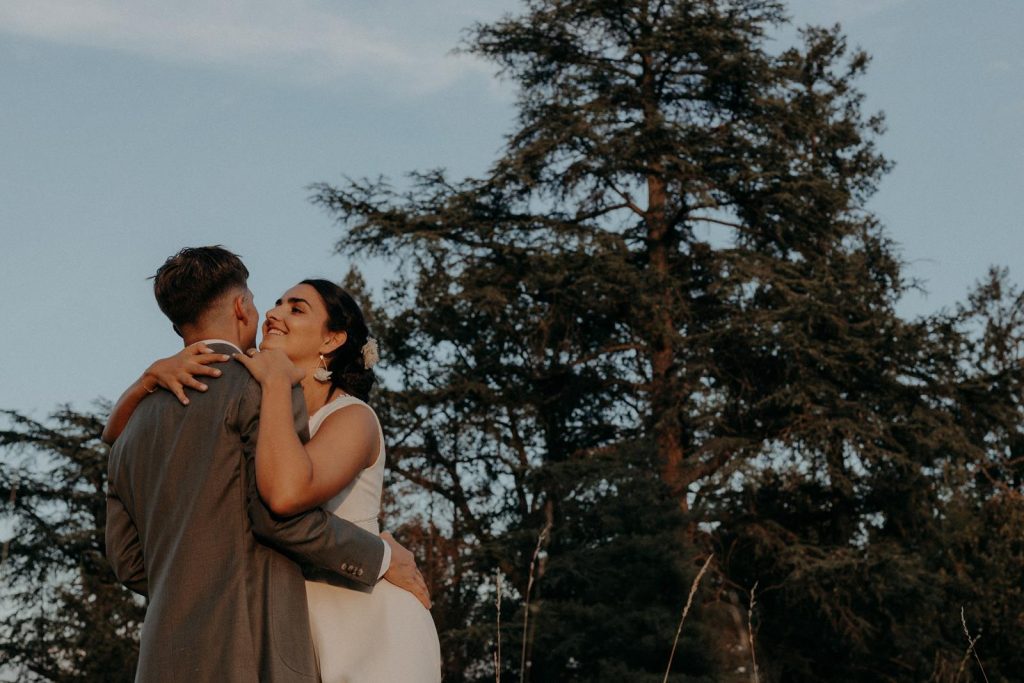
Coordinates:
(189, 282)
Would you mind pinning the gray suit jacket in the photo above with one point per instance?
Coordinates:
(186, 527)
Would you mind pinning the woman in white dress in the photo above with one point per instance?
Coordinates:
(316, 334)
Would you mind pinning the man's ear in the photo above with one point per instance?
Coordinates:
(241, 310)
(334, 342)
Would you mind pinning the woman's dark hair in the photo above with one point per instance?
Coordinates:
(346, 363)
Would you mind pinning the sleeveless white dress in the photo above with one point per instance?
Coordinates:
(383, 636)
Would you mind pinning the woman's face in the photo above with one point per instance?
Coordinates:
(297, 324)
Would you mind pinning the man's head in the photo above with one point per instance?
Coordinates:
(204, 291)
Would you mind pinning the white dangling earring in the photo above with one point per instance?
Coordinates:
(322, 374)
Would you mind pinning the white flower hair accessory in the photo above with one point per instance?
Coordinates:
(371, 353)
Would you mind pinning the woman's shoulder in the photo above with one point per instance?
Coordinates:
(335, 410)
(352, 421)
(342, 401)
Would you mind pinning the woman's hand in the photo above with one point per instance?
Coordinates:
(173, 373)
(176, 372)
(270, 365)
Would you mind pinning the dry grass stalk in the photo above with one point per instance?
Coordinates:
(529, 586)
(750, 631)
(970, 649)
(686, 610)
(497, 651)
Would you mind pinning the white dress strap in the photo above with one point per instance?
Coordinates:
(329, 408)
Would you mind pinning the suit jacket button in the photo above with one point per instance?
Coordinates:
(359, 573)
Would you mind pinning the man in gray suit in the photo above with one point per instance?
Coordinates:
(185, 524)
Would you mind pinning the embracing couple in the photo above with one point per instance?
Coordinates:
(220, 500)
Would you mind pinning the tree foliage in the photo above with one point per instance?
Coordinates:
(671, 268)
(63, 615)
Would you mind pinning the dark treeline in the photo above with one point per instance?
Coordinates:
(661, 327)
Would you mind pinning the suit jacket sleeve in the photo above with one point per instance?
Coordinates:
(314, 537)
(123, 546)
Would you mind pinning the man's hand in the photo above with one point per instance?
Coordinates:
(403, 572)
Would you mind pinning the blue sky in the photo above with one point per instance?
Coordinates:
(131, 129)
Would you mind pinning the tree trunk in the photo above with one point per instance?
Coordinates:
(660, 243)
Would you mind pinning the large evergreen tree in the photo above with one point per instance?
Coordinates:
(671, 269)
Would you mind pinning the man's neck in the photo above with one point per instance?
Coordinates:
(197, 335)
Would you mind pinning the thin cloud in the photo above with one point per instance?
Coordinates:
(296, 39)
(828, 12)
